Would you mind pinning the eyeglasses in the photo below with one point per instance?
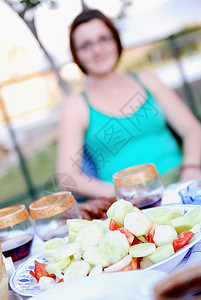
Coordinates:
(102, 41)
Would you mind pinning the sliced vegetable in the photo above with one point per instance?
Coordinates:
(96, 270)
(52, 246)
(181, 224)
(113, 246)
(118, 266)
(66, 251)
(77, 269)
(114, 225)
(46, 283)
(194, 215)
(89, 236)
(57, 266)
(119, 209)
(182, 240)
(40, 271)
(137, 223)
(145, 263)
(161, 253)
(150, 235)
(130, 237)
(164, 234)
(93, 257)
(159, 215)
(196, 228)
(142, 250)
(77, 224)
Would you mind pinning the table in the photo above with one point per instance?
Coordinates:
(171, 196)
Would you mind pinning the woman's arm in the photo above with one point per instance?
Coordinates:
(73, 123)
(182, 120)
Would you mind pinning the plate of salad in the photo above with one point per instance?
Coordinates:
(130, 239)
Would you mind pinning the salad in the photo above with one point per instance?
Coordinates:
(129, 239)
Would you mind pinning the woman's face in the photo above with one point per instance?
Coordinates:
(96, 47)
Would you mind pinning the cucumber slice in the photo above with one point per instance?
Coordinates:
(99, 223)
(194, 215)
(142, 250)
(181, 223)
(119, 209)
(46, 283)
(98, 269)
(137, 223)
(72, 236)
(106, 224)
(196, 228)
(93, 257)
(57, 266)
(122, 263)
(52, 246)
(77, 224)
(145, 263)
(164, 234)
(113, 246)
(159, 215)
(78, 255)
(66, 251)
(89, 236)
(161, 253)
(142, 239)
(77, 269)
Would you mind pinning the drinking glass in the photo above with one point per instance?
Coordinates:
(191, 194)
(16, 232)
(141, 185)
(50, 213)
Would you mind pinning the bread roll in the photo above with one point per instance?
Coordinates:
(3, 279)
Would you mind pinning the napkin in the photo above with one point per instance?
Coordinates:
(192, 257)
(171, 193)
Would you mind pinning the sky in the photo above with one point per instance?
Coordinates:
(146, 20)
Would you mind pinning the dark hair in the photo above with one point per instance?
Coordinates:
(87, 16)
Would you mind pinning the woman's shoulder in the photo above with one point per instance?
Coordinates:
(75, 107)
(74, 102)
(149, 79)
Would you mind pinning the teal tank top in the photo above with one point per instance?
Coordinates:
(140, 136)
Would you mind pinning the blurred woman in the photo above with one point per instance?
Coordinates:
(119, 120)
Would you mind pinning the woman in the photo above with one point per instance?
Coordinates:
(120, 119)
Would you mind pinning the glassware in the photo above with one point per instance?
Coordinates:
(16, 232)
(141, 185)
(49, 214)
(192, 193)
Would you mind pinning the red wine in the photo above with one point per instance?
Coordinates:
(146, 201)
(17, 247)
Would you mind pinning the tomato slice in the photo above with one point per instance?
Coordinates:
(150, 235)
(61, 280)
(114, 225)
(182, 240)
(130, 237)
(40, 271)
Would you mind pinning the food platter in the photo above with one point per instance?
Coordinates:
(26, 285)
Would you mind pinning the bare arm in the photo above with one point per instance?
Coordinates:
(182, 120)
(73, 123)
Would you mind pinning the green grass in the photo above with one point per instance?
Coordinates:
(41, 167)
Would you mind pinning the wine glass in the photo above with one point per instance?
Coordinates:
(16, 232)
(141, 185)
(49, 214)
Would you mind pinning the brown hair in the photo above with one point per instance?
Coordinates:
(87, 16)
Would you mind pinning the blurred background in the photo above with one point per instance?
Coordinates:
(36, 72)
